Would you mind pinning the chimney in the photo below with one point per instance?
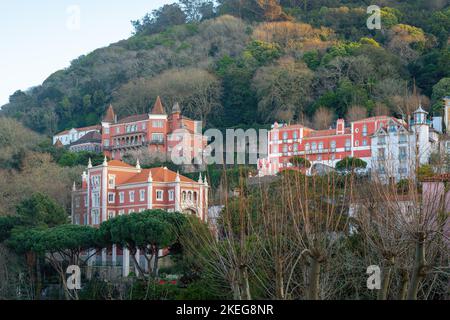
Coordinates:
(340, 126)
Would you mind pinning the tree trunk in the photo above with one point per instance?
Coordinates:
(419, 266)
(38, 278)
(314, 277)
(155, 261)
(404, 286)
(279, 280)
(387, 270)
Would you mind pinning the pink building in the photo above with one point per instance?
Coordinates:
(319, 146)
(116, 188)
(156, 131)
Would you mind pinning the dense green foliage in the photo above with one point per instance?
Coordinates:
(321, 52)
(350, 163)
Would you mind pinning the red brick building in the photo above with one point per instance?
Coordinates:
(158, 132)
(116, 188)
(325, 147)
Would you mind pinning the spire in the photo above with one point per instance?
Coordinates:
(200, 180)
(90, 163)
(138, 165)
(110, 116)
(176, 108)
(105, 162)
(74, 187)
(158, 107)
(84, 176)
(177, 179)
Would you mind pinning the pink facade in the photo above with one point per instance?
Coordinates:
(319, 146)
(156, 131)
(116, 188)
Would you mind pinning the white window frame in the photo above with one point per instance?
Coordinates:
(113, 197)
(121, 197)
(162, 195)
(142, 194)
(171, 195)
(131, 196)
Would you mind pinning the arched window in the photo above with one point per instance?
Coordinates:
(190, 196)
(184, 195)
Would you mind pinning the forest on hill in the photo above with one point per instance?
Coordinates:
(251, 62)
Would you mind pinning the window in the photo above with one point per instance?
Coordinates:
(111, 214)
(95, 182)
(295, 135)
(158, 137)
(320, 146)
(348, 145)
(158, 124)
(117, 129)
(111, 181)
(313, 146)
(171, 195)
(106, 130)
(364, 131)
(111, 197)
(85, 219)
(131, 196)
(285, 135)
(95, 216)
(159, 195)
(275, 136)
(381, 154)
(319, 158)
(402, 138)
(144, 126)
(356, 143)
(96, 199)
(141, 209)
(184, 195)
(382, 140)
(333, 146)
(295, 147)
(77, 202)
(285, 148)
(333, 157)
(121, 197)
(402, 155)
(85, 202)
(142, 195)
(121, 212)
(364, 142)
(130, 211)
(381, 169)
(307, 147)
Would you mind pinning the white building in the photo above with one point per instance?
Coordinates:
(397, 149)
(69, 136)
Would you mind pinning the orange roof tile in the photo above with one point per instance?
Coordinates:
(158, 107)
(110, 115)
(117, 163)
(158, 174)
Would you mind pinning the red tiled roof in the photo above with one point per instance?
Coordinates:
(158, 174)
(325, 133)
(138, 117)
(117, 163)
(158, 107)
(110, 115)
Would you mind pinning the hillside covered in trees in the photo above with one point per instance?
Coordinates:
(250, 62)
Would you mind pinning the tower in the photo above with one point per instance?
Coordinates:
(447, 113)
(421, 129)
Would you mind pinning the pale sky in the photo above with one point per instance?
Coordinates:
(40, 37)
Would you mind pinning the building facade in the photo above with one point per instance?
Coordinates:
(90, 142)
(397, 149)
(116, 188)
(156, 132)
(69, 136)
(325, 147)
